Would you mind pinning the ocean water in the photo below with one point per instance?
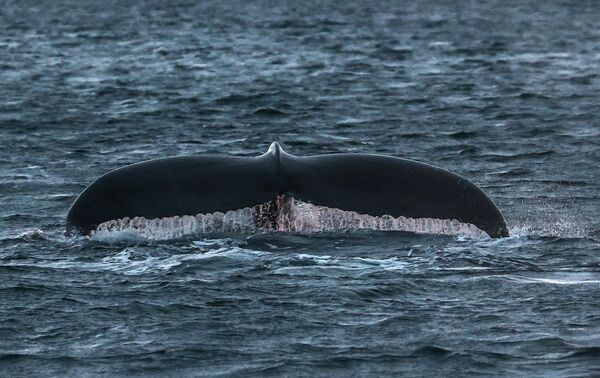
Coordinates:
(505, 93)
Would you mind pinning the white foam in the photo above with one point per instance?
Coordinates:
(358, 265)
(299, 217)
(555, 278)
(129, 261)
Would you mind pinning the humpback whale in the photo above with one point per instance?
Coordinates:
(369, 184)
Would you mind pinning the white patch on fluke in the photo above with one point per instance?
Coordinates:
(299, 217)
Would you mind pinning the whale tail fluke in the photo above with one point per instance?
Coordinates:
(375, 185)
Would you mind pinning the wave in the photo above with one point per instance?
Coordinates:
(310, 265)
(132, 261)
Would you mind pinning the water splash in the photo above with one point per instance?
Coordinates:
(305, 217)
(235, 222)
(549, 218)
(291, 216)
(566, 227)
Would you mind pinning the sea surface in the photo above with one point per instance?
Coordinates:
(505, 93)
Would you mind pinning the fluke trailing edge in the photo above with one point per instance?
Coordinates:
(366, 184)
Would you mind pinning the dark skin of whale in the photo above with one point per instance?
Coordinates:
(367, 184)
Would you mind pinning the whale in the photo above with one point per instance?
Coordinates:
(371, 184)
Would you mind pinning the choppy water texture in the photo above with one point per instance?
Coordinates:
(504, 93)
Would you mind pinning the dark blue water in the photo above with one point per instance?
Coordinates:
(504, 93)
